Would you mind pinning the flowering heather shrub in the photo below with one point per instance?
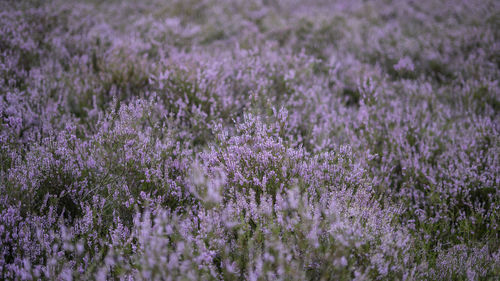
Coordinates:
(249, 140)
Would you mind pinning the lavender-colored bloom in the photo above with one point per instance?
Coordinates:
(222, 140)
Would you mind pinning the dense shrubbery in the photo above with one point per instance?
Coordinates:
(259, 140)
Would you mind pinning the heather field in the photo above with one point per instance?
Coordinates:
(250, 140)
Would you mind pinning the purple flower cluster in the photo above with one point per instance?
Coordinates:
(250, 140)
